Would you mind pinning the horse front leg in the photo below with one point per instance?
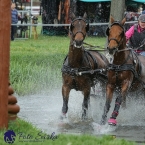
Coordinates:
(65, 94)
(109, 95)
(85, 104)
(119, 100)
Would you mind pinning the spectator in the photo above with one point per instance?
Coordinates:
(136, 35)
(14, 20)
(143, 12)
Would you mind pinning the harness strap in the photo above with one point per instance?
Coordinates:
(139, 63)
(87, 53)
(126, 59)
(72, 71)
(101, 55)
(123, 67)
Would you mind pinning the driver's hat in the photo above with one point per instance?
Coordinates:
(142, 18)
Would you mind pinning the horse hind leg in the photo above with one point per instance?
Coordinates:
(65, 94)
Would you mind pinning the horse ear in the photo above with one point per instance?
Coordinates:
(123, 21)
(72, 16)
(85, 15)
(112, 19)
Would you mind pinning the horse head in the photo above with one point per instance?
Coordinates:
(116, 36)
(78, 28)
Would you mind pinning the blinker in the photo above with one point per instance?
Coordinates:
(107, 31)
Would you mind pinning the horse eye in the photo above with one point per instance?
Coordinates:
(121, 33)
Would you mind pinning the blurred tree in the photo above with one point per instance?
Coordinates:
(117, 9)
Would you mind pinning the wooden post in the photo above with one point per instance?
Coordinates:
(34, 21)
(35, 32)
(5, 24)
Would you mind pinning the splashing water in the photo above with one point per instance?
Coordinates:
(102, 129)
(44, 110)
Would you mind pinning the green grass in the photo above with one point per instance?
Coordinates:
(27, 134)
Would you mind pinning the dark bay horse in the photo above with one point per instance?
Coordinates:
(81, 67)
(126, 70)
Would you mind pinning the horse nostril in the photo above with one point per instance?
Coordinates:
(111, 51)
(79, 43)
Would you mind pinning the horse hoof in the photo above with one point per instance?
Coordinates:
(102, 122)
(112, 121)
(63, 116)
(84, 118)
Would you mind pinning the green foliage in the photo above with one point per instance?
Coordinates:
(35, 65)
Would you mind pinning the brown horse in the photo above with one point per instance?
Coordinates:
(126, 70)
(81, 67)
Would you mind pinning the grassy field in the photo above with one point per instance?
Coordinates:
(26, 134)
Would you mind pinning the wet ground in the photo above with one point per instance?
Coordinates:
(43, 111)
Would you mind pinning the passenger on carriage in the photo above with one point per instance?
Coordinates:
(135, 36)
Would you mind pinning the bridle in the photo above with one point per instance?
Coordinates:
(115, 49)
(72, 25)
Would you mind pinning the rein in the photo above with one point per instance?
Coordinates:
(124, 49)
(102, 48)
(93, 47)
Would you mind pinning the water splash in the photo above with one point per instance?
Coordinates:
(102, 129)
(43, 110)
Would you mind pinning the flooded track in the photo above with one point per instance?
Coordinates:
(44, 110)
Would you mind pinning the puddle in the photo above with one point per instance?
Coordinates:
(44, 110)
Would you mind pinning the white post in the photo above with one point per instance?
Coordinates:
(31, 19)
(31, 5)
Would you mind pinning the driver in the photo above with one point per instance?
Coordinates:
(135, 36)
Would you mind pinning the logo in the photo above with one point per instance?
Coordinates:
(40, 137)
(9, 137)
